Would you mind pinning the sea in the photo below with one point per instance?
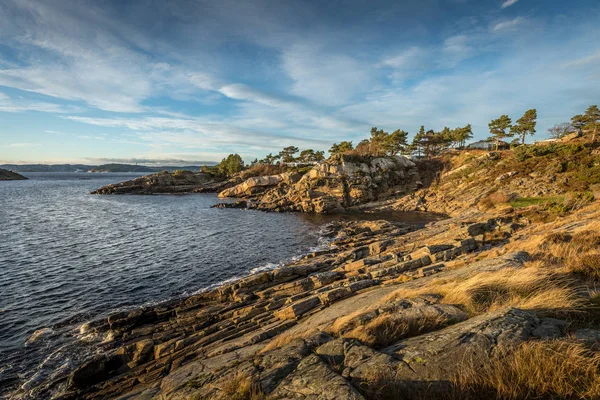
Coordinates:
(68, 257)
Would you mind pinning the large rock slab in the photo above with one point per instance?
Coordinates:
(315, 380)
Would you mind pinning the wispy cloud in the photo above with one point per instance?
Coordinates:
(508, 3)
(24, 144)
(507, 25)
(14, 105)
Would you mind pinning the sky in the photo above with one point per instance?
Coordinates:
(181, 82)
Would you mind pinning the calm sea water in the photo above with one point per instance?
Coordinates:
(67, 257)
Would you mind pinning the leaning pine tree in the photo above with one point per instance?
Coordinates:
(500, 129)
(525, 125)
(592, 120)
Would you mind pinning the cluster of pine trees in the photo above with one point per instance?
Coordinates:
(425, 143)
(288, 155)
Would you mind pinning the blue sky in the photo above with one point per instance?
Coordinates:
(176, 82)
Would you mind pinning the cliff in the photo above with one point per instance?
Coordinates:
(331, 186)
(6, 175)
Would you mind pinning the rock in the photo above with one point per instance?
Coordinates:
(340, 183)
(96, 370)
(256, 185)
(588, 335)
(165, 182)
(433, 356)
(313, 379)
(237, 204)
(506, 176)
(299, 308)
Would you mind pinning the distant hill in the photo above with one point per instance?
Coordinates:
(10, 176)
(94, 168)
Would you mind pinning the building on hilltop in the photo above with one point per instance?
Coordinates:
(488, 145)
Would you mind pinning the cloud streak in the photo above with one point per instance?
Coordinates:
(508, 3)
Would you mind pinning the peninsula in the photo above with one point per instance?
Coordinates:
(6, 175)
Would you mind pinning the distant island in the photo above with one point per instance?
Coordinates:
(6, 175)
(94, 168)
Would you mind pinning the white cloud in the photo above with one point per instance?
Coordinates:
(13, 105)
(594, 58)
(325, 76)
(24, 144)
(508, 3)
(508, 25)
(79, 53)
(456, 49)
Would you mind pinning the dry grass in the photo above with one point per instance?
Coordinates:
(387, 329)
(577, 253)
(494, 199)
(241, 387)
(530, 287)
(535, 370)
(286, 338)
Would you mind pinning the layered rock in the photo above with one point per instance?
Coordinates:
(332, 186)
(6, 175)
(165, 182)
(259, 184)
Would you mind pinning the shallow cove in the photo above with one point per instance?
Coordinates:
(67, 257)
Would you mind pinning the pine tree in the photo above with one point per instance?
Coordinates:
(579, 121)
(396, 142)
(287, 154)
(592, 120)
(500, 129)
(525, 125)
(417, 143)
(341, 148)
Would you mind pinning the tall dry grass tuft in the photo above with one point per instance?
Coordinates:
(535, 370)
(528, 288)
(578, 254)
(241, 387)
(286, 338)
(387, 329)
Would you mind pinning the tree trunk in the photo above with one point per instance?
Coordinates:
(594, 135)
(497, 144)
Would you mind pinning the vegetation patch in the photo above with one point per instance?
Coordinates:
(535, 370)
(522, 202)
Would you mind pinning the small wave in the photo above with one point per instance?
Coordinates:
(35, 336)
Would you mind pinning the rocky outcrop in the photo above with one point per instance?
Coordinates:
(341, 183)
(6, 175)
(166, 182)
(259, 184)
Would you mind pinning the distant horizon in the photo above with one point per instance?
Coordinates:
(192, 163)
(84, 82)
